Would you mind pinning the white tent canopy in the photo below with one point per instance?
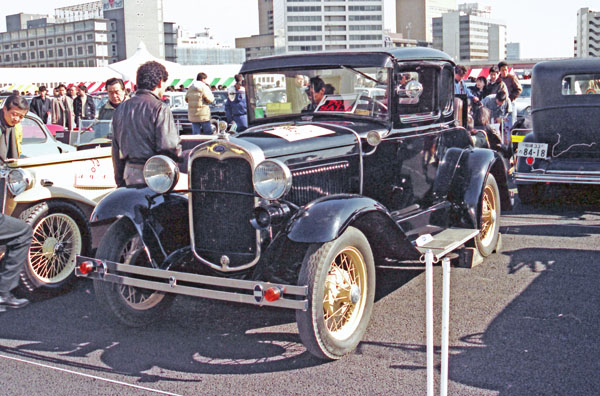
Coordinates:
(32, 77)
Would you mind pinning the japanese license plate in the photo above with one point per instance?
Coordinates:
(534, 150)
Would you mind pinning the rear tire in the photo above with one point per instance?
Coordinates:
(135, 307)
(489, 211)
(60, 232)
(341, 289)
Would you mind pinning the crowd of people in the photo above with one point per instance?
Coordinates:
(491, 112)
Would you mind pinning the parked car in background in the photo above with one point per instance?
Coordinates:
(296, 211)
(523, 102)
(563, 146)
(217, 112)
(38, 140)
(175, 100)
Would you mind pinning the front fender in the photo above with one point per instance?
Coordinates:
(325, 219)
(467, 184)
(154, 220)
(51, 192)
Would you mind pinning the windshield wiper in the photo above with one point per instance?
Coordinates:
(363, 74)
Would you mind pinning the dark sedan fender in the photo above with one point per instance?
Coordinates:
(325, 219)
(152, 219)
(468, 181)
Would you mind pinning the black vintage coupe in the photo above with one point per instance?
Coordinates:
(297, 211)
(564, 145)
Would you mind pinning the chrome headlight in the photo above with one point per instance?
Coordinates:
(161, 174)
(18, 181)
(272, 179)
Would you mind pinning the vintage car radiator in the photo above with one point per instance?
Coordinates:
(222, 210)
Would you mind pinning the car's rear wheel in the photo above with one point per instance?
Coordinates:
(489, 211)
(341, 281)
(133, 306)
(60, 232)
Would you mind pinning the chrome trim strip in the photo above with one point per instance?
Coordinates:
(415, 130)
(173, 277)
(408, 118)
(233, 148)
(562, 177)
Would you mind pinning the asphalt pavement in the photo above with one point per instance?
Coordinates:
(525, 322)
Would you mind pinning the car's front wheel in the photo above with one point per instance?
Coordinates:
(341, 281)
(133, 306)
(60, 232)
(489, 211)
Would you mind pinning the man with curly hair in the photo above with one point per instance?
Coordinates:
(143, 127)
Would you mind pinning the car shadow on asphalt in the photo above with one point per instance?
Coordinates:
(196, 336)
(545, 342)
(569, 201)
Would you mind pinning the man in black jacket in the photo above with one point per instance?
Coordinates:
(15, 234)
(41, 104)
(143, 126)
(83, 105)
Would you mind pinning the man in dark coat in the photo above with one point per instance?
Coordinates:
(15, 234)
(41, 104)
(83, 105)
(143, 126)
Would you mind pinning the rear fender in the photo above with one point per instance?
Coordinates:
(325, 219)
(467, 185)
(154, 220)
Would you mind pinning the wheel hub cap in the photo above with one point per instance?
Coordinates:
(50, 245)
(354, 294)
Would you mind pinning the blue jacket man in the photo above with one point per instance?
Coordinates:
(235, 105)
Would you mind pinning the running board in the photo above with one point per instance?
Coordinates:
(445, 242)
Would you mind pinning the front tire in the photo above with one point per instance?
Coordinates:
(487, 239)
(60, 232)
(341, 289)
(135, 307)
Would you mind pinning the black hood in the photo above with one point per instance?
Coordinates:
(285, 139)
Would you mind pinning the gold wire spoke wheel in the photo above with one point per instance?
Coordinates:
(139, 299)
(56, 242)
(345, 293)
(488, 215)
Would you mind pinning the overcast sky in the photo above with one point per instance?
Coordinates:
(545, 28)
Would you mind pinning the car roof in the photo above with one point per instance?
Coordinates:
(376, 57)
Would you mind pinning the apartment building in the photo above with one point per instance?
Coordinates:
(587, 42)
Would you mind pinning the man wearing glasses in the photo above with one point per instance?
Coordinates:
(116, 95)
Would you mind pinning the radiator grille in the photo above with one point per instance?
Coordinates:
(221, 218)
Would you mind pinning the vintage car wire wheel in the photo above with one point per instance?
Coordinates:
(341, 278)
(60, 233)
(133, 306)
(487, 239)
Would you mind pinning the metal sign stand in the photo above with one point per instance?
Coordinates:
(429, 260)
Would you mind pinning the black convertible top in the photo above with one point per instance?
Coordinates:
(375, 57)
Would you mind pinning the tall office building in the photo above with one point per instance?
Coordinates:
(513, 51)
(90, 34)
(587, 42)
(315, 25)
(414, 17)
(470, 34)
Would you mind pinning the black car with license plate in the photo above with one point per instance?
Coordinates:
(563, 146)
(297, 211)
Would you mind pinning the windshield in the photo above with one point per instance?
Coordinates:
(345, 90)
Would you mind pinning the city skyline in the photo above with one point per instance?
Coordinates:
(542, 31)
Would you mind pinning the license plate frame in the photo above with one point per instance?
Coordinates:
(533, 150)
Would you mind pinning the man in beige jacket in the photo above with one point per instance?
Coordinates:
(198, 97)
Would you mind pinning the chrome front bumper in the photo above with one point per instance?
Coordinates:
(242, 291)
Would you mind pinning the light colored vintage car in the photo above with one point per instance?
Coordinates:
(55, 194)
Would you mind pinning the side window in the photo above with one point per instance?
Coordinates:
(416, 95)
(581, 84)
(447, 90)
(32, 132)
